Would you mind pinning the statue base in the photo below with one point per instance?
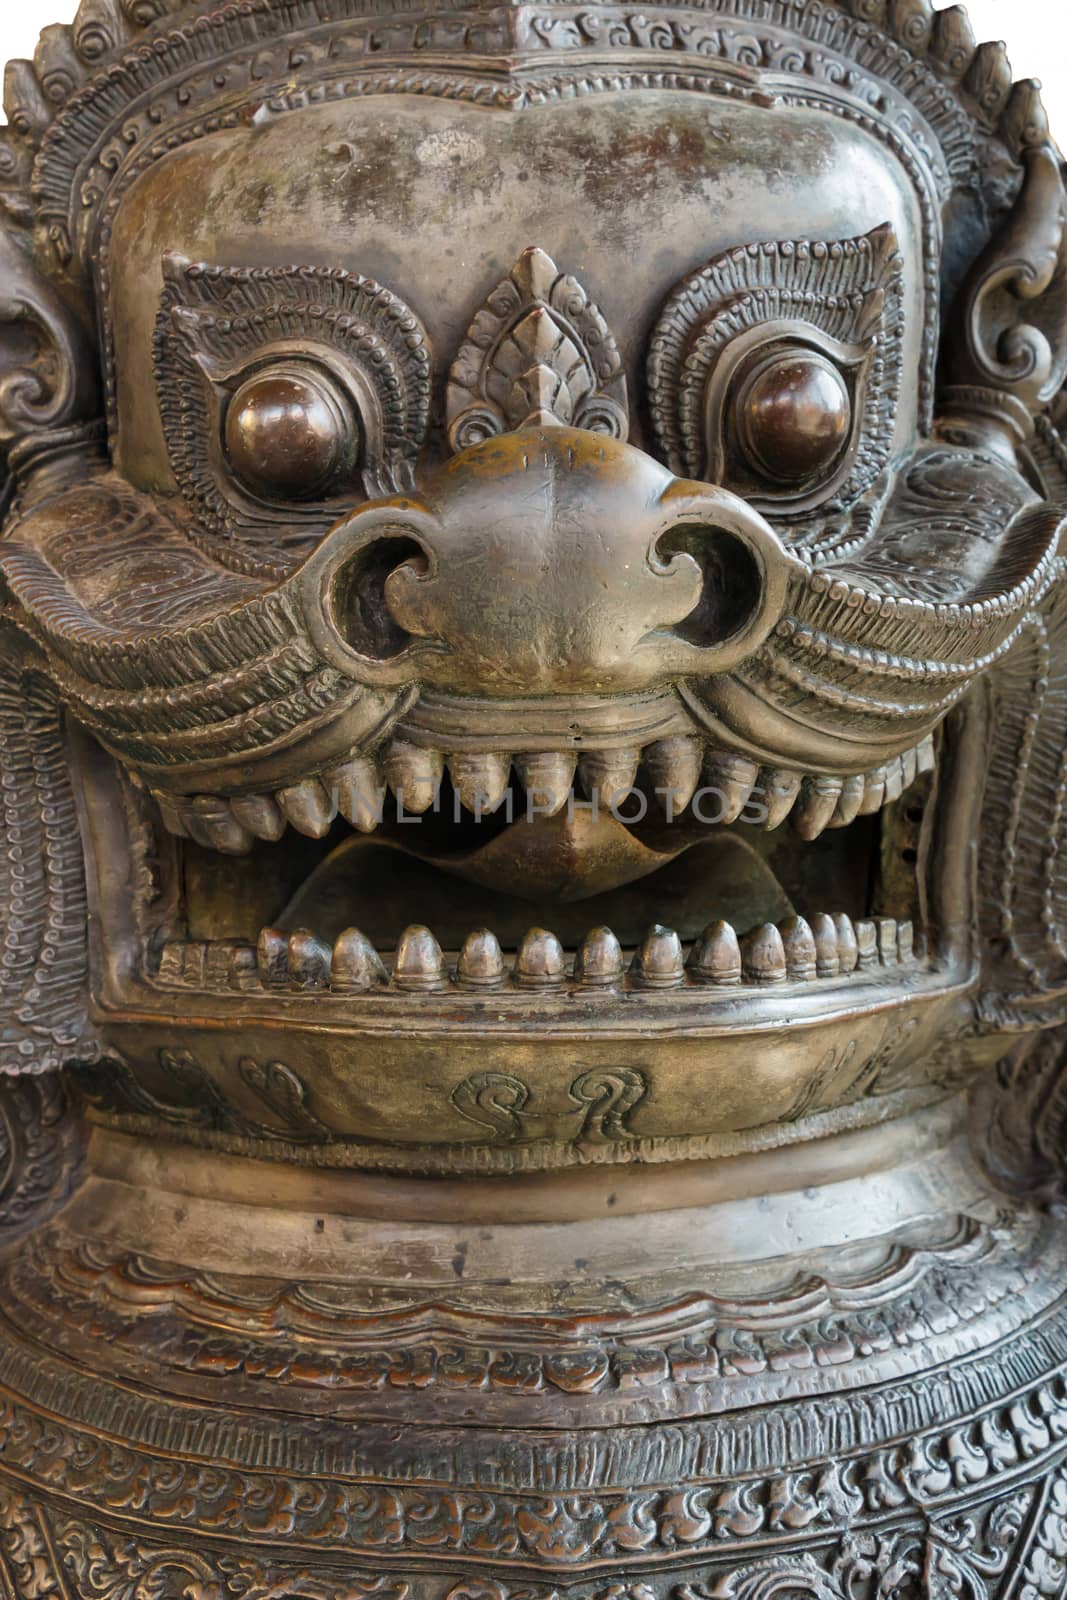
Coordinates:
(831, 1370)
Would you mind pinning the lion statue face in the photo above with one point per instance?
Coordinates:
(531, 558)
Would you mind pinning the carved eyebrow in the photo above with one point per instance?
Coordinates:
(216, 321)
(843, 296)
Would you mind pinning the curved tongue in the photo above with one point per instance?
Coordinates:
(572, 856)
(566, 874)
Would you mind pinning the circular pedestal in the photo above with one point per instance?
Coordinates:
(835, 1369)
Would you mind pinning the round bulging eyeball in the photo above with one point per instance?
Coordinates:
(290, 432)
(795, 417)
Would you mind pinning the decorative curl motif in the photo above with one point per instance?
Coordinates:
(1009, 357)
(55, 1554)
(58, 1555)
(110, 1085)
(94, 1448)
(39, 1151)
(604, 1098)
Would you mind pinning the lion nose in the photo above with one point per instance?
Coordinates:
(549, 560)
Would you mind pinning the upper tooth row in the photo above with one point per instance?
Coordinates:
(719, 785)
(825, 947)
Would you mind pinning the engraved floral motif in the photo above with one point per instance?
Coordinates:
(55, 1554)
(554, 1531)
(602, 1100)
(39, 1150)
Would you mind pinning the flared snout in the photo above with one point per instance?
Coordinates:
(545, 561)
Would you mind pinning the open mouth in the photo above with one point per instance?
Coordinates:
(478, 871)
(453, 839)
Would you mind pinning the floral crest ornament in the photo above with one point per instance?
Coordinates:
(539, 351)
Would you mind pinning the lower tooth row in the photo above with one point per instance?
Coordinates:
(681, 770)
(791, 951)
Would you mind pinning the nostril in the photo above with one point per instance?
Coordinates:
(732, 581)
(358, 600)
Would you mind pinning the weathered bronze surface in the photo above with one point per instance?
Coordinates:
(533, 887)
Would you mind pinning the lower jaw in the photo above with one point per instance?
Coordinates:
(452, 1084)
(425, 1065)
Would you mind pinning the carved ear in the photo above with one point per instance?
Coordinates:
(44, 964)
(48, 366)
(1008, 348)
(1022, 843)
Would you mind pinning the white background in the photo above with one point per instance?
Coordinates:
(1035, 32)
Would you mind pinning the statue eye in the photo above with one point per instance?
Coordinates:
(292, 433)
(775, 370)
(793, 417)
(286, 394)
